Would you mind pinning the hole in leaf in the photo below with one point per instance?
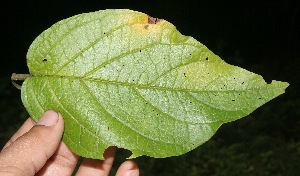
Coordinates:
(121, 152)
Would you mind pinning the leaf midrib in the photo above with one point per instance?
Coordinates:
(147, 86)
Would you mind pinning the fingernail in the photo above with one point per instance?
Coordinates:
(49, 118)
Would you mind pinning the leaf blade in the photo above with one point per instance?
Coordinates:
(143, 87)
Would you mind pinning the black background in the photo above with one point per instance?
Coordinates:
(259, 35)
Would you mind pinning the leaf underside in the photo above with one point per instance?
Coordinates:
(121, 80)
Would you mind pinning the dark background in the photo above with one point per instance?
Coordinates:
(259, 35)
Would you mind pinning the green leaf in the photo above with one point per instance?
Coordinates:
(122, 78)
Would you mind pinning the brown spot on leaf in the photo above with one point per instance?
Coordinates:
(152, 20)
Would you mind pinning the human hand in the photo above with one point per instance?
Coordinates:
(36, 148)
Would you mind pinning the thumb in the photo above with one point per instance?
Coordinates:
(29, 153)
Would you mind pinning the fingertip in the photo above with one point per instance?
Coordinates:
(49, 118)
(128, 168)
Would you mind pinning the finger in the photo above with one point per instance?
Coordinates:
(27, 125)
(62, 162)
(93, 167)
(27, 154)
(128, 168)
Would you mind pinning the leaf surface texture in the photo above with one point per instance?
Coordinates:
(120, 80)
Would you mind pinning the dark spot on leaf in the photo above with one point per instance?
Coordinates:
(184, 74)
(146, 26)
(140, 50)
(107, 128)
(232, 100)
(259, 98)
(123, 65)
(152, 20)
(133, 80)
(45, 60)
(190, 102)
(104, 33)
(206, 59)
(243, 82)
(156, 114)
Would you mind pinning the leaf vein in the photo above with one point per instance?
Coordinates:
(117, 119)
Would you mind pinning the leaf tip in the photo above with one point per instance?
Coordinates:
(279, 84)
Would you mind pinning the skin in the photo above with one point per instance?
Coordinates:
(37, 149)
